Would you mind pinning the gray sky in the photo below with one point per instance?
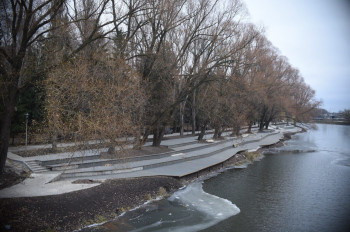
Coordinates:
(315, 36)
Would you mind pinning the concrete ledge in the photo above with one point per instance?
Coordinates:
(183, 159)
(94, 162)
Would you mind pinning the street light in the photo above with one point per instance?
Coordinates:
(27, 115)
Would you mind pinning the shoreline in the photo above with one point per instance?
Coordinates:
(343, 123)
(79, 209)
(74, 210)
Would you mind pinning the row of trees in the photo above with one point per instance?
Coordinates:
(110, 69)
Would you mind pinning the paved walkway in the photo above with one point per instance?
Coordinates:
(188, 156)
(62, 145)
(190, 166)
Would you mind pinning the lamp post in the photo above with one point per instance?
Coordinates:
(27, 115)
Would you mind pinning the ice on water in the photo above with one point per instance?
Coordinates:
(211, 205)
(198, 210)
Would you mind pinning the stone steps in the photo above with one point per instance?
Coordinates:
(70, 160)
(176, 157)
(93, 166)
(131, 167)
(102, 162)
(188, 166)
(35, 166)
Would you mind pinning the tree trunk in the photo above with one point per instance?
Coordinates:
(261, 126)
(111, 149)
(267, 125)
(202, 133)
(216, 133)
(138, 141)
(220, 130)
(158, 134)
(236, 129)
(54, 142)
(219, 134)
(250, 124)
(182, 118)
(194, 113)
(145, 136)
(5, 123)
(174, 126)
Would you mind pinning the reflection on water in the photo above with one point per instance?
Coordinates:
(302, 186)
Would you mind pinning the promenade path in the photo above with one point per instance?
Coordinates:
(54, 174)
(62, 145)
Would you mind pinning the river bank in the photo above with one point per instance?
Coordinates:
(70, 211)
(332, 122)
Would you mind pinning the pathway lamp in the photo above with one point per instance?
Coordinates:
(27, 115)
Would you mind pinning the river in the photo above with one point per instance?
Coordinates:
(302, 186)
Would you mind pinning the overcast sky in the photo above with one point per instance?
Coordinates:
(315, 36)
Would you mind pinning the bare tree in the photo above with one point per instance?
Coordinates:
(94, 100)
(23, 24)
